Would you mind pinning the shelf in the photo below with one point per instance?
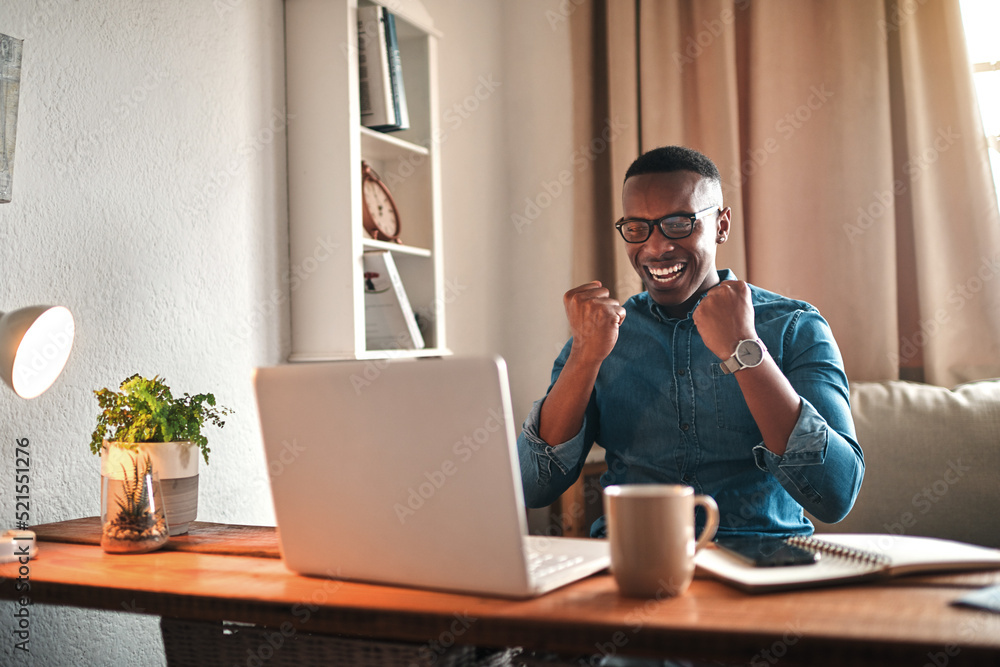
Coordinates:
(372, 244)
(373, 355)
(381, 146)
(326, 145)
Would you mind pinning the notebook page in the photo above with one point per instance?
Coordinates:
(829, 569)
(919, 554)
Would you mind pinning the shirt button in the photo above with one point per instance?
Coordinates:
(685, 427)
(686, 479)
(681, 372)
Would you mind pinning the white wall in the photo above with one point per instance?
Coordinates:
(149, 198)
(539, 130)
(501, 148)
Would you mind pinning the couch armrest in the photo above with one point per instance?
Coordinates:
(932, 461)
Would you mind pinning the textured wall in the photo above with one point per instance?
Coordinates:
(149, 198)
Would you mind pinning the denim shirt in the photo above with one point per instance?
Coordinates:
(666, 413)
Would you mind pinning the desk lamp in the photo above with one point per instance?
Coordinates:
(34, 346)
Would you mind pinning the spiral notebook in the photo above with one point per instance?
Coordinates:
(849, 558)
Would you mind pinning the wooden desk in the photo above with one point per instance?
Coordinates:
(902, 622)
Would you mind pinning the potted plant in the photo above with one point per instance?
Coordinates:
(143, 416)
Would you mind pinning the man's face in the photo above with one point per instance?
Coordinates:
(676, 272)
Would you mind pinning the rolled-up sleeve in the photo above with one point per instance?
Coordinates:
(823, 465)
(548, 470)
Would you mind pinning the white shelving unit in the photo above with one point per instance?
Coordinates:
(326, 144)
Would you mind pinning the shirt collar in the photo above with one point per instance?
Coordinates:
(657, 311)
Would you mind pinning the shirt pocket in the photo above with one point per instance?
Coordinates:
(731, 411)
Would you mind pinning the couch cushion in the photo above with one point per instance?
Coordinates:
(932, 461)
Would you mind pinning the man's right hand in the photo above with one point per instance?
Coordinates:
(594, 318)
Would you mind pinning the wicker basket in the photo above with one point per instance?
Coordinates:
(198, 643)
(544, 659)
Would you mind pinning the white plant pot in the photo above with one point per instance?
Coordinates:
(176, 465)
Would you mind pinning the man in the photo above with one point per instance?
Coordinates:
(701, 379)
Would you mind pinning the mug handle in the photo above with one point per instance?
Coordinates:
(711, 520)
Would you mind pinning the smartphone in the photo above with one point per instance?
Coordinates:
(767, 551)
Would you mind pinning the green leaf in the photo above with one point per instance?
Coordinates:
(144, 410)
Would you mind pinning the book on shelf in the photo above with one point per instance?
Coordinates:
(847, 558)
(380, 71)
(375, 84)
(390, 323)
(395, 76)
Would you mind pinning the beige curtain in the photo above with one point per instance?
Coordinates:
(851, 151)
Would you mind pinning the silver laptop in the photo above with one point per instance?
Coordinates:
(406, 472)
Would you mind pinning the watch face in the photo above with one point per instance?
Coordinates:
(749, 353)
(381, 209)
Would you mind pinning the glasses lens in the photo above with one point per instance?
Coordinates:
(678, 227)
(635, 231)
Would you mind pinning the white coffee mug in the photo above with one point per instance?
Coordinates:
(651, 534)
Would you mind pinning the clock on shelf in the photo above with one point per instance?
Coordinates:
(378, 209)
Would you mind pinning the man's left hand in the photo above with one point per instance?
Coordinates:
(724, 317)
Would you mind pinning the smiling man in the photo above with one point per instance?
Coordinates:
(702, 379)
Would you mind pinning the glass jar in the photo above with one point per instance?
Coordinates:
(132, 516)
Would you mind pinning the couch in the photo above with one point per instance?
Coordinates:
(932, 465)
(932, 461)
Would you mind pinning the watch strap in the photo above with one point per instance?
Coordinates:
(731, 365)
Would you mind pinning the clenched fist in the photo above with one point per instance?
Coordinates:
(724, 317)
(594, 318)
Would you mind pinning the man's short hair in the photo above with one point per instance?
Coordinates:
(674, 158)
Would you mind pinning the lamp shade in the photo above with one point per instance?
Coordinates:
(34, 345)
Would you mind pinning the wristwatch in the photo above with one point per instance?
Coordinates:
(749, 353)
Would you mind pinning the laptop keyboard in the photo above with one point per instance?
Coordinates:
(542, 565)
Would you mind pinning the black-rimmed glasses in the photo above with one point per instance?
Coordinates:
(674, 226)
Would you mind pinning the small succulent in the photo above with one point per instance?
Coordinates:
(133, 504)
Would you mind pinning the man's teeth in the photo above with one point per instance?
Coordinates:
(665, 275)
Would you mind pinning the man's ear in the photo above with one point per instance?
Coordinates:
(722, 226)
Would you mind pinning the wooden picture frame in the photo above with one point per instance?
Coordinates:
(10, 85)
